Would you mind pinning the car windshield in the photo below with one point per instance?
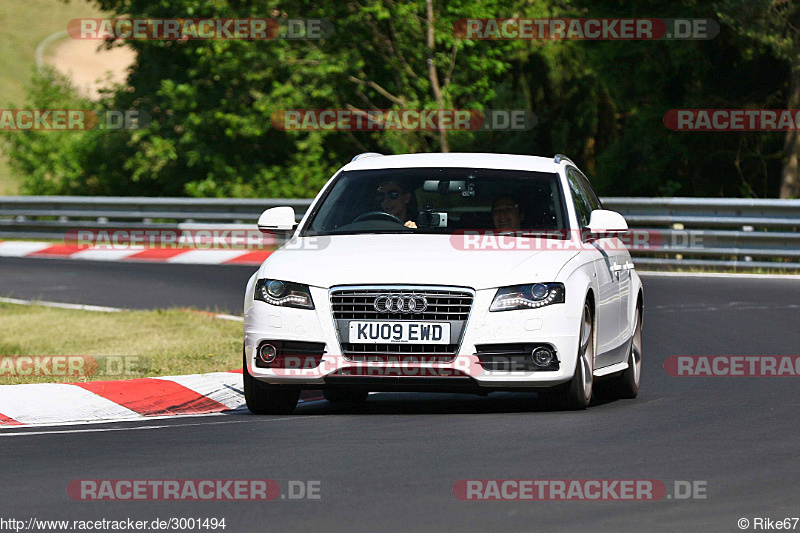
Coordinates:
(441, 200)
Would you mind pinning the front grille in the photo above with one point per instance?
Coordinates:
(358, 304)
(408, 349)
(400, 353)
(444, 305)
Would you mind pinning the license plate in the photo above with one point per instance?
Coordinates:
(399, 332)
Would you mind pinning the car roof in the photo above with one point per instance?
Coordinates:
(455, 160)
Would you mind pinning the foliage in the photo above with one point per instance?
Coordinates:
(602, 103)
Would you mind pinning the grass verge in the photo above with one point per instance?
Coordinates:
(166, 342)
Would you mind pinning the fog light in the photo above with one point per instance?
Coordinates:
(267, 353)
(542, 357)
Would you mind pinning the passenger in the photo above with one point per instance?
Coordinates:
(506, 214)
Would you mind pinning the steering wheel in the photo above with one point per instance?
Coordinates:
(376, 214)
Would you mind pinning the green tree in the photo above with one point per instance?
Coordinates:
(54, 162)
(775, 24)
(211, 101)
(636, 154)
(601, 103)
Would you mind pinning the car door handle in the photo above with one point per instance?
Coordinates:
(616, 268)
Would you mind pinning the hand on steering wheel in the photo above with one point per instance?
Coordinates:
(376, 214)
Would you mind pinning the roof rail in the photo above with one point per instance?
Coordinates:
(366, 155)
(561, 157)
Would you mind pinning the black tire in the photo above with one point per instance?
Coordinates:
(345, 396)
(576, 394)
(263, 399)
(626, 385)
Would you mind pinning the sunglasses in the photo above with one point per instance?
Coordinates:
(505, 210)
(393, 195)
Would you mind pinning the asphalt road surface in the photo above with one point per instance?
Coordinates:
(391, 463)
(125, 284)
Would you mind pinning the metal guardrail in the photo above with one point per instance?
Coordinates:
(738, 233)
(708, 212)
(729, 232)
(142, 208)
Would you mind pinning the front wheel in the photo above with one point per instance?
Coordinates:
(262, 399)
(577, 393)
(626, 385)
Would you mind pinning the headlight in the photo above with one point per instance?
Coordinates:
(283, 294)
(528, 296)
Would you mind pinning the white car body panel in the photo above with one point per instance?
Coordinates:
(392, 259)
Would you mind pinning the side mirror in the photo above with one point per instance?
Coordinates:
(604, 221)
(277, 220)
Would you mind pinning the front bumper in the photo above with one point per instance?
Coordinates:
(552, 325)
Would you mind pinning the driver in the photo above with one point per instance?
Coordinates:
(394, 200)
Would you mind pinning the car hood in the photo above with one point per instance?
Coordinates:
(408, 259)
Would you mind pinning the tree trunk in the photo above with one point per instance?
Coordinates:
(790, 175)
(434, 77)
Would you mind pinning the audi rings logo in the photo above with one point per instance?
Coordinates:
(400, 303)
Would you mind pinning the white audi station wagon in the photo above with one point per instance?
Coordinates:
(457, 272)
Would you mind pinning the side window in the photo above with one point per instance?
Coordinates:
(582, 207)
(594, 201)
